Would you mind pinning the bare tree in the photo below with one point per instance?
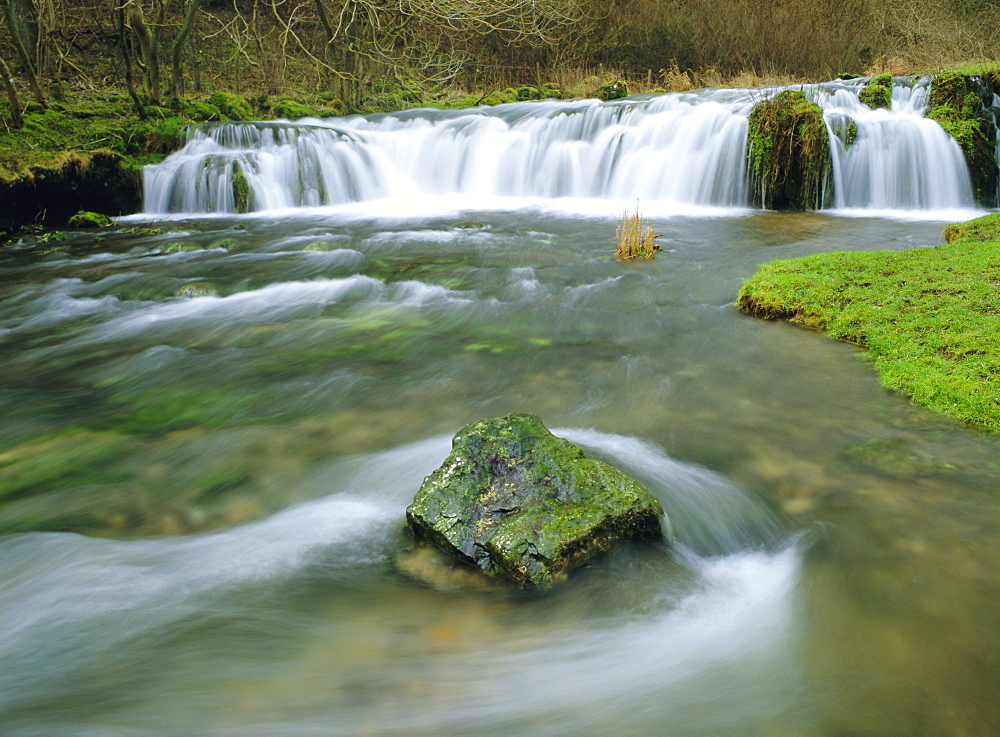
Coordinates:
(12, 98)
(423, 43)
(176, 77)
(22, 22)
(147, 40)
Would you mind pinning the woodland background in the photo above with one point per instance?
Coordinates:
(380, 54)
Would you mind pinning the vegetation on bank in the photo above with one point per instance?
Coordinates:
(928, 317)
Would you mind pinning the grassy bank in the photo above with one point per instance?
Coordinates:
(928, 317)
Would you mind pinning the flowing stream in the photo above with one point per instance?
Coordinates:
(235, 410)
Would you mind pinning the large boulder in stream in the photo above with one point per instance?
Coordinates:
(788, 153)
(524, 505)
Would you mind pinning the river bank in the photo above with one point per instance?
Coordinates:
(928, 317)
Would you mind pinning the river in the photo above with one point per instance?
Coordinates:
(231, 412)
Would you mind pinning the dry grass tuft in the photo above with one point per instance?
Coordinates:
(635, 237)
(674, 80)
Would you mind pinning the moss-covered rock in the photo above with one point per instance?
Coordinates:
(242, 194)
(201, 110)
(528, 92)
(234, 107)
(789, 153)
(955, 103)
(526, 506)
(612, 90)
(877, 92)
(292, 109)
(84, 219)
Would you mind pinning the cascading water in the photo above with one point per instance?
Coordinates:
(898, 159)
(683, 150)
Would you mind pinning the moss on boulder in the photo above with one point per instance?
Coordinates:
(234, 107)
(612, 90)
(955, 103)
(526, 506)
(877, 92)
(789, 153)
(85, 219)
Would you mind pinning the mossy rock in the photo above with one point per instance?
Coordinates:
(877, 92)
(197, 289)
(291, 109)
(84, 219)
(181, 247)
(528, 92)
(242, 193)
(789, 153)
(612, 90)
(500, 98)
(525, 506)
(957, 106)
(201, 110)
(74, 459)
(234, 107)
(553, 90)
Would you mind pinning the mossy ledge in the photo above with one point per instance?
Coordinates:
(788, 153)
(956, 103)
(99, 181)
(928, 317)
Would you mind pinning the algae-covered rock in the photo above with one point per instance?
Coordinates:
(877, 92)
(197, 289)
(234, 107)
(612, 90)
(956, 103)
(789, 153)
(84, 219)
(524, 505)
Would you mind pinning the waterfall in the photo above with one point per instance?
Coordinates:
(898, 160)
(680, 150)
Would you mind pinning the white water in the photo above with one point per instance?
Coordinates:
(675, 153)
(729, 619)
(900, 160)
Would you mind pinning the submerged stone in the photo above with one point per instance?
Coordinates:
(521, 504)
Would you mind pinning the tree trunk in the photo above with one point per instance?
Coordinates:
(140, 109)
(148, 41)
(176, 78)
(15, 103)
(18, 26)
(24, 23)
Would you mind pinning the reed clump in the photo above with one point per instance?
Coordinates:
(636, 237)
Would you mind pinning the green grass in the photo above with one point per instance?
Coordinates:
(929, 317)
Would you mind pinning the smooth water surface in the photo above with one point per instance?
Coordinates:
(237, 413)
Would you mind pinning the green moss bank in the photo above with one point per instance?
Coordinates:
(929, 317)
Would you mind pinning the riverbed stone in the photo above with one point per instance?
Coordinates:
(525, 506)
